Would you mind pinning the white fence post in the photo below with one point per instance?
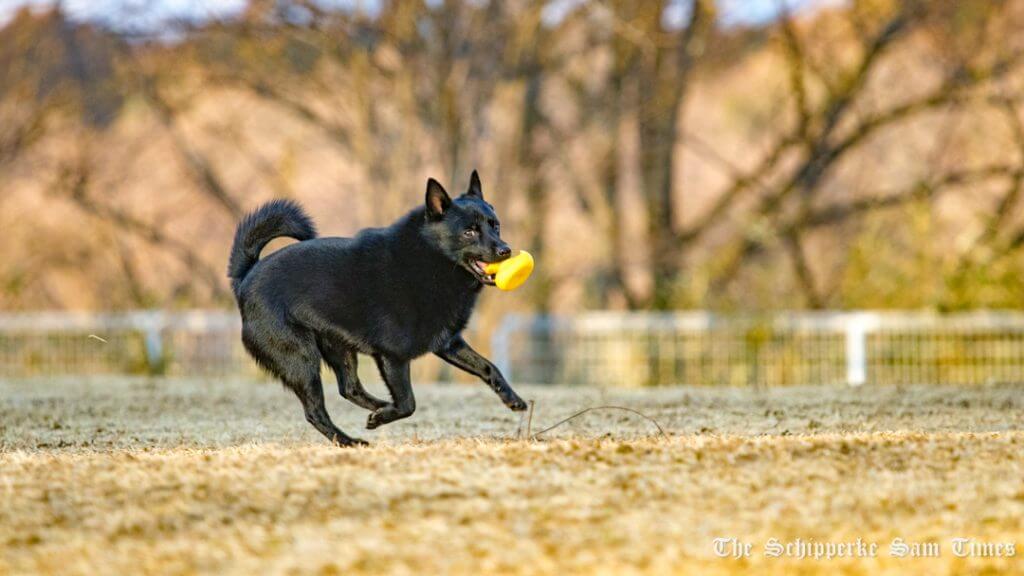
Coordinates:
(152, 325)
(857, 327)
(500, 344)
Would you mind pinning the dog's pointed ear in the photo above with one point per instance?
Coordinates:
(474, 186)
(438, 200)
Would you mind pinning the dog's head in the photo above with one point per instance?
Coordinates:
(466, 229)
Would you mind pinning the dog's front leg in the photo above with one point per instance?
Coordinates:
(457, 353)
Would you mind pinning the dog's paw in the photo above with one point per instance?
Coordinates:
(516, 404)
(373, 420)
(347, 442)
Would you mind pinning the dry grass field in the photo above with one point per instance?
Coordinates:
(184, 477)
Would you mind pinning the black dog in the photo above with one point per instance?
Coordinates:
(394, 293)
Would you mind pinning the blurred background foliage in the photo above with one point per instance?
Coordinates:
(653, 155)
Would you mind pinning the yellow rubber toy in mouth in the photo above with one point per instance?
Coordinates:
(510, 274)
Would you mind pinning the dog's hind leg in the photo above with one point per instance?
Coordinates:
(396, 376)
(311, 394)
(294, 358)
(342, 360)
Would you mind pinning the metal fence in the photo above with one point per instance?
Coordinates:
(603, 348)
(770, 350)
(200, 343)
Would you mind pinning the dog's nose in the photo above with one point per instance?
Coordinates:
(504, 251)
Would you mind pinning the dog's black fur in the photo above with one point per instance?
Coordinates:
(393, 293)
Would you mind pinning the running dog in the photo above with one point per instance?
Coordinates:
(393, 293)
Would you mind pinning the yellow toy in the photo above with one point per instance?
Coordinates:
(510, 274)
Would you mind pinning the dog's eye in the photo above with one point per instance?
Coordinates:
(494, 224)
(469, 232)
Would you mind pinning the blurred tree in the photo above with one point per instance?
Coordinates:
(809, 143)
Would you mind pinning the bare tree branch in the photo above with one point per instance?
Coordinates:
(75, 183)
(200, 168)
(1009, 199)
(804, 276)
(795, 60)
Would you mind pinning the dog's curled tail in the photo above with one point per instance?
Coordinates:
(274, 219)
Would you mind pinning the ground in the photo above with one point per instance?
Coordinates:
(183, 477)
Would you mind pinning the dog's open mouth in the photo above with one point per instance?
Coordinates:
(479, 269)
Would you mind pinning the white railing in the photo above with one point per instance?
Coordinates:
(198, 342)
(603, 348)
(779, 349)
